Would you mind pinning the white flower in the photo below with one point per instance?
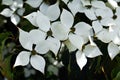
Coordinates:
(42, 46)
(90, 51)
(90, 7)
(15, 5)
(62, 30)
(24, 57)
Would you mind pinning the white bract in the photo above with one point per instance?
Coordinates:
(34, 3)
(14, 5)
(75, 6)
(51, 11)
(113, 50)
(43, 22)
(32, 18)
(7, 12)
(48, 44)
(38, 19)
(7, 2)
(61, 28)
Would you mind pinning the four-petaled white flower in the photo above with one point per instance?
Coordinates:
(24, 57)
(14, 6)
(35, 37)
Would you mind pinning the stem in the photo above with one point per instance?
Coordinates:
(69, 70)
(103, 70)
(57, 56)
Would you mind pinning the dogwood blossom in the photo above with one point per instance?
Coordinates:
(90, 7)
(89, 51)
(24, 57)
(14, 5)
(36, 37)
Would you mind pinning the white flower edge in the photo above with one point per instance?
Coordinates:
(113, 50)
(22, 59)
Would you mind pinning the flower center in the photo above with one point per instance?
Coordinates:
(99, 17)
(114, 17)
(88, 6)
(72, 29)
(33, 52)
(49, 33)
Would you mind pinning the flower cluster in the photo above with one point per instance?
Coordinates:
(57, 26)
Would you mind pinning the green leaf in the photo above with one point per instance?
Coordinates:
(3, 38)
(6, 68)
(117, 77)
(115, 71)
